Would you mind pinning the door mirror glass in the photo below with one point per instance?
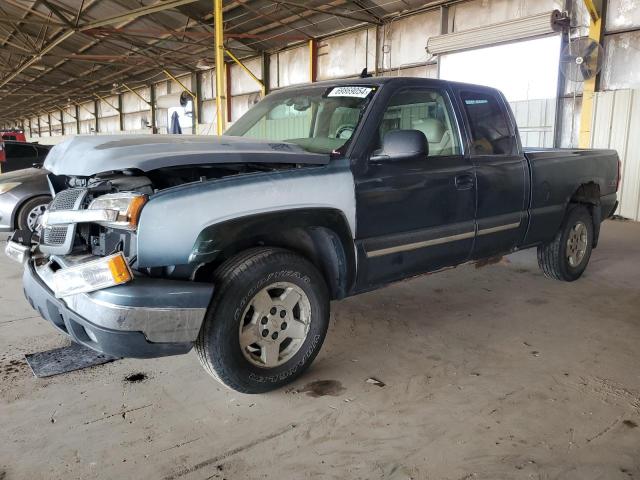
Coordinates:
(402, 145)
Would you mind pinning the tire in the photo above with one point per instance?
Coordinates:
(566, 257)
(244, 286)
(28, 209)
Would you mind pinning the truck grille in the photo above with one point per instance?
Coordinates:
(55, 235)
(59, 239)
(66, 199)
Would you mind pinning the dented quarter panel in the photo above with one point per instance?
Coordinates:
(172, 220)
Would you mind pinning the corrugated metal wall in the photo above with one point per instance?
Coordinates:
(616, 125)
(535, 119)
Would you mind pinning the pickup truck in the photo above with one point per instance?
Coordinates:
(236, 244)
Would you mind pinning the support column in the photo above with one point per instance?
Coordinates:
(196, 87)
(597, 14)
(120, 110)
(62, 122)
(444, 26)
(221, 89)
(266, 80)
(152, 97)
(227, 71)
(95, 115)
(562, 82)
(313, 60)
(77, 119)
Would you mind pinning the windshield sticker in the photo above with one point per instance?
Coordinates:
(357, 92)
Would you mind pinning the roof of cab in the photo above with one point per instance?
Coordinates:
(379, 81)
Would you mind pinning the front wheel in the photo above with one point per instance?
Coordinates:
(267, 321)
(567, 255)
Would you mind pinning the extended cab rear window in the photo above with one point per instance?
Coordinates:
(490, 132)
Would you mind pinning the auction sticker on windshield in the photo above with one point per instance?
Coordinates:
(357, 92)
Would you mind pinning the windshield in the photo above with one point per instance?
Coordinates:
(319, 119)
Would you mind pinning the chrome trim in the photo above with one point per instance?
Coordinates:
(157, 324)
(439, 241)
(499, 228)
(417, 245)
(66, 217)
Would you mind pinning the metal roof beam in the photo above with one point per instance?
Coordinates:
(325, 10)
(56, 11)
(133, 14)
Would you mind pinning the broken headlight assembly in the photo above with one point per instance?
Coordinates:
(90, 276)
(127, 205)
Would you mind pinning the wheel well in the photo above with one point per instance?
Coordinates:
(588, 194)
(322, 246)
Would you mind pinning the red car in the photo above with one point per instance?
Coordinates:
(15, 135)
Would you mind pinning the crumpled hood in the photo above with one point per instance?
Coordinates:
(88, 155)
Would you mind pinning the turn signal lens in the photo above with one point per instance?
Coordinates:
(119, 269)
(135, 207)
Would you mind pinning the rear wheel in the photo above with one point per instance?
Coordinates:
(30, 211)
(566, 257)
(267, 321)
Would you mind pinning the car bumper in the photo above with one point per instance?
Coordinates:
(142, 319)
(7, 206)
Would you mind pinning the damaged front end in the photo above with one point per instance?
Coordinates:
(81, 271)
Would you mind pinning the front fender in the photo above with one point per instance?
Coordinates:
(172, 222)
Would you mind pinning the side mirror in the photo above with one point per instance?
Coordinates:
(402, 145)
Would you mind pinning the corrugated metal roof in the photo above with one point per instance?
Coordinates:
(67, 66)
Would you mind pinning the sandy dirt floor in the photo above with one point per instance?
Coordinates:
(489, 373)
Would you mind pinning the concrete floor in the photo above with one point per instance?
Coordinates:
(490, 373)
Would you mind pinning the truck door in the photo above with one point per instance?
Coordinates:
(501, 171)
(416, 214)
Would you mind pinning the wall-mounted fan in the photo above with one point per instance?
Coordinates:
(581, 59)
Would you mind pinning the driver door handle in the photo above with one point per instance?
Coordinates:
(464, 181)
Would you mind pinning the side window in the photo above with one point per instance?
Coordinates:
(428, 111)
(490, 132)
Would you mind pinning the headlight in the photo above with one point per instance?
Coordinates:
(5, 187)
(90, 276)
(128, 206)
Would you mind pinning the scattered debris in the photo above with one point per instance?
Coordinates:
(488, 261)
(535, 353)
(376, 382)
(629, 423)
(65, 359)
(320, 388)
(474, 374)
(136, 377)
